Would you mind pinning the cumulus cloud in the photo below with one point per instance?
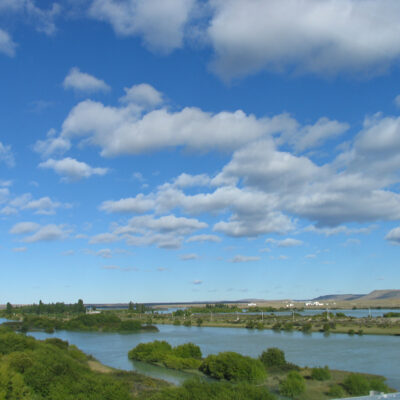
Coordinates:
(24, 227)
(139, 204)
(315, 36)
(166, 232)
(159, 23)
(242, 259)
(143, 95)
(72, 170)
(52, 145)
(43, 20)
(44, 206)
(47, 233)
(104, 238)
(83, 82)
(187, 180)
(189, 256)
(7, 45)
(288, 242)
(104, 253)
(394, 236)
(204, 238)
(19, 249)
(6, 155)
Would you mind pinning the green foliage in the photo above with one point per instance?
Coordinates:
(351, 332)
(187, 323)
(34, 370)
(378, 384)
(185, 356)
(273, 358)
(321, 374)
(177, 322)
(336, 391)
(392, 315)
(356, 385)
(199, 390)
(293, 385)
(151, 352)
(306, 328)
(215, 308)
(199, 321)
(188, 350)
(233, 367)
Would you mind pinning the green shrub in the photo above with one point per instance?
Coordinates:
(351, 332)
(151, 352)
(199, 321)
(233, 367)
(336, 391)
(199, 390)
(356, 385)
(188, 350)
(177, 322)
(273, 358)
(293, 385)
(378, 384)
(306, 328)
(187, 323)
(320, 374)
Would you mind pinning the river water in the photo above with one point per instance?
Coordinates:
(369, 353)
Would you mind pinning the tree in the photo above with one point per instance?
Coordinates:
(130, 307)
(81, 307)
(9, 308)
(273, 358)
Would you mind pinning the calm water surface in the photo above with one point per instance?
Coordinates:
(370, 353)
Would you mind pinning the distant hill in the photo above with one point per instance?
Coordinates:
(375, 295)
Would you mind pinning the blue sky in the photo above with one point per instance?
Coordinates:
(198, 150)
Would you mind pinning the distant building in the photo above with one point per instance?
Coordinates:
(252, 305)
(90, 310)
(314, 304)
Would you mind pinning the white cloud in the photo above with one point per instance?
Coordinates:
(83, 82)
(24, 227)
(314, 36)
(104, 238)
(52, 145)
(47, 233)
(104, 253)
(197, 282)
(143, 95)
(187, 180)
(190, 256)
(123, 130)
(6, 155)
(44, 206)
(165, 232)
(7, 46)
(288, 242)
(204, 238)
(397, 100)
(241, 259)
(19, 249)
(43, 20)
(351, 242)
(71, 169)
(159, 23)
(138, 204)
(394, 236)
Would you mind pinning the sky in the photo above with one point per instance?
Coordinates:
(189, 150)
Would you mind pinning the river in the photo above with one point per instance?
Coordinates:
(369, 353)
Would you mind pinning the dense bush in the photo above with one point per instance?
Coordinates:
(273, 358)
(356, 385)
(185, 356)
(320, 374)
(198, 390)
(34, 370)
(293, 385)
(336, 391)
(151, 352)
(233, 367)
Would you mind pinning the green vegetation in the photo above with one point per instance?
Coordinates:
(214, 308)
(233, 367)
(199, 390)
(321, 374)
(293, 385)
(185, 356)
(104, 322)
(34, 370)
(392, 315)
(358, 385)
(273, 359)
(53, 308)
